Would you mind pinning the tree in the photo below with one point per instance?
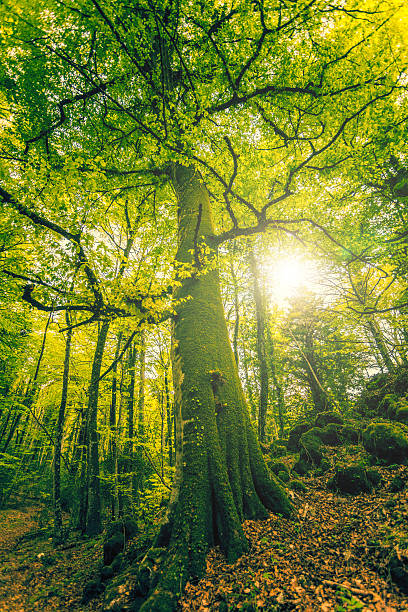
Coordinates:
(192, 100)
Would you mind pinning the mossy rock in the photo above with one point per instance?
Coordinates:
(374, 477)
(301, 467)
(107, 572)
(324, 418)
(278, 449)
(283, 476)
(117, 563)
(297, 485)
(398, 483)
(92, 589)
(387, 441)
(279, 466)
(401, 414)
(398, 569)
(295, 434)
(350, 434)
(331, 434)
(310, 446)
(350, 479)
(146, 573)
(113, 547)
(127, 527)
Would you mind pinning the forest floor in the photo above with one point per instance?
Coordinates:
(332, 556)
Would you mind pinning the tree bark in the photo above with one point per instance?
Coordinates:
(260, 311)
(93, 514)
(221, 477)
(58, 436)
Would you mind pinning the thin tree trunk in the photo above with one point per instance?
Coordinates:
(93, 515)
(58, 436)
(141, 391)
(112, 450)
(169, 416)
(380, 344)
(260, 311)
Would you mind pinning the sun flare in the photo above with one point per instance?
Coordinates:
(287, 276)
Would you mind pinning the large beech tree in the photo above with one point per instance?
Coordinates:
(238, 102)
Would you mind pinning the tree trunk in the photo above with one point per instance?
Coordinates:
(277, 384)
(112, 448)
(58, 437)
(221, 477)
(260, 312)
(141, 393)
(380, 344)
(93, 514)
(169, 415)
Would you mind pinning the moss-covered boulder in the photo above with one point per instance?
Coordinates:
(92, 589)
(398, 569)
(283, 475)
(113, 547)
(401, 413)
(117, 534)
(331, 434)
(350, 434)
(324, 418)
(295, 434)
(310, 446)
(374, 477)
(350, 479)
(297, 485)
(278, 448)
(398, 483)
(279, 466)
(147, 571)
(387, 441)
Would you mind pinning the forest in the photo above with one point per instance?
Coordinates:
(203, 305)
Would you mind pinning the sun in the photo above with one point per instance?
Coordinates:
(287, 276)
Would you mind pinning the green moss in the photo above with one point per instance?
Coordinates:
(387, 441)
(295, 435)
(324, 418)
(310, 447)
(297, 485)
(350, 479)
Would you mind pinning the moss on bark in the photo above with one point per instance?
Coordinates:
(221, 477)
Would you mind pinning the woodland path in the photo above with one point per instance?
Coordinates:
(330, 558)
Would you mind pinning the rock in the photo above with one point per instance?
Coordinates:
(350, 433)
(310, 447)
(294, 435)
(324, 418)
(117, 563)
(398, 569)
(388, 441)
(113, 547)
(331, 434)
(374, 477)
(92, 589)
(401, 414)
(350, 479)
(278, 448)
(279, 466)
(107, 572)
(284, 476)
(146, 572)
(301, 467)
(126, 526)
(297, 485)
(397, 484)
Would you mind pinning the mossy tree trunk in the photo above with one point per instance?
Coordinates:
(221, 477)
